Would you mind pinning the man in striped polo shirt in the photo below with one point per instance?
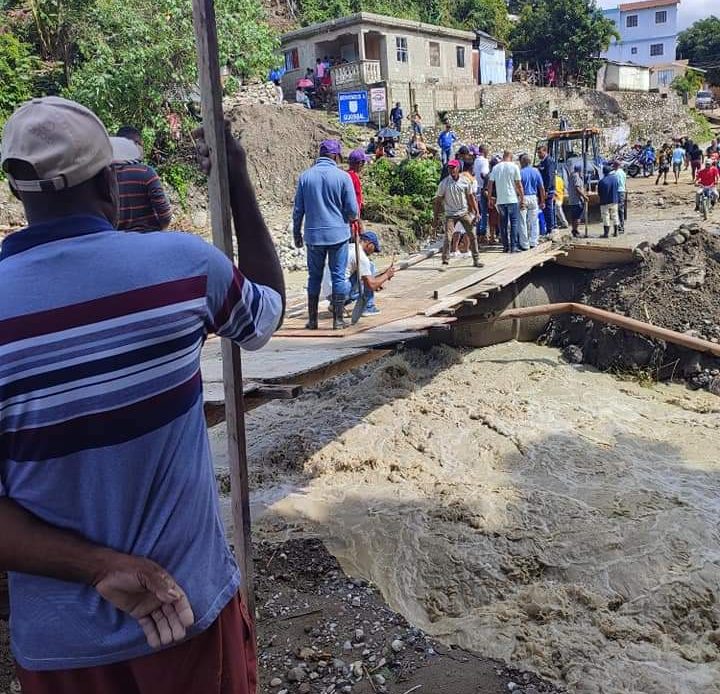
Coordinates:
(121, 580)
(143, 205)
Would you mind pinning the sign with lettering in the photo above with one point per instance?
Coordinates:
(378, 99)
(353, 107)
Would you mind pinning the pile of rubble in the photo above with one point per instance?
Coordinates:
(252, 93)
(675, 285)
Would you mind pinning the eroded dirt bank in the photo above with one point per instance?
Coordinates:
(533, 511)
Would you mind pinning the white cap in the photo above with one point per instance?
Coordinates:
(64, 142)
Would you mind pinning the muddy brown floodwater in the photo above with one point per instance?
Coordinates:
(541, 513)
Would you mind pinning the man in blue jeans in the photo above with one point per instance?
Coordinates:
(481, 171)
(446, 140)
(326, 200)
(506, 187)
(548, 168)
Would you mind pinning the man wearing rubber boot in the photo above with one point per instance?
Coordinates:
(325, 199)
(609, 202)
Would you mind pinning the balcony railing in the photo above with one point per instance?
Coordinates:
(357, 73)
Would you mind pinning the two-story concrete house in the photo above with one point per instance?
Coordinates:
(648, 32)
(420, 64)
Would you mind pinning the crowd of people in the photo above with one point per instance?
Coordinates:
(682, 154)
(498, 200)
(676, 156)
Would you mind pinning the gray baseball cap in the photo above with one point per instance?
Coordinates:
(124, 151)
(64, 142)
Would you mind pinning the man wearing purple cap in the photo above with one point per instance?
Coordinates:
(356, 163)
(325, 199)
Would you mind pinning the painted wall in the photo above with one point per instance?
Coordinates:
(626, 78)
(644, 31)
(383, 45)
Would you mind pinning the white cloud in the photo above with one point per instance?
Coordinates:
(688, 12)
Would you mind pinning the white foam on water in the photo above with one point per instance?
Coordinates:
(545, 514)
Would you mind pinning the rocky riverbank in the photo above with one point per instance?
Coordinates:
(675, 285)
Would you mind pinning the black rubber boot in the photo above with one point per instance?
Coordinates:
(615, 231)
(313, 302)
(338, 302)
(606, 232)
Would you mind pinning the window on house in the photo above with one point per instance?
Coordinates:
(292, 60)
(631, 21)
(460, 54)
(633, 50)
(434, 54)
(401, 49)
(657, 49)
(661, 17)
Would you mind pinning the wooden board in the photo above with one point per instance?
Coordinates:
(208, 63)
(592, 256)
(489, 271)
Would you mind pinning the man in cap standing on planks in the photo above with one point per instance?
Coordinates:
(325, 200)
(121, 579)
(455, 198)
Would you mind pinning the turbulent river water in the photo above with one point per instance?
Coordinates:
(533, 511)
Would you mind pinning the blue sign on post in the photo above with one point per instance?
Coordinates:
(353, 107)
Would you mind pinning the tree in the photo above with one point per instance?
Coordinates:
(16, 70)
(133, 61)
(687, 84)
(489, 16)
(700, 44)
(571, 32)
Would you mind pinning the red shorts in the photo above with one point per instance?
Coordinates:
(221, 660)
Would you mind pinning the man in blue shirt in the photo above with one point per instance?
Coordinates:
(112, 534)
(325, 199)
(446, 140)
(547, 168)
(396, 116)
(678, 159)
(608, 188)
(534, 201)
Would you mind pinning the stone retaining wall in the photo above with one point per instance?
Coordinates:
(516, 116)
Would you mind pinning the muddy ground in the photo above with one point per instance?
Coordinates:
(675, 284)
(321, 631)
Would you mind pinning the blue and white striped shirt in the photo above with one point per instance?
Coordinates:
(101, 418)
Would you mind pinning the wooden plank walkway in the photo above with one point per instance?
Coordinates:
(409, 311)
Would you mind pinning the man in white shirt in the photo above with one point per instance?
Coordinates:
(372, 282)
(506, 187)
(481, 171)
(456, 199)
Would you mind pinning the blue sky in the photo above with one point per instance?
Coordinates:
(688, 12)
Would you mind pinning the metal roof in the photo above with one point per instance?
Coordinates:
(646, 5)
(392, 23)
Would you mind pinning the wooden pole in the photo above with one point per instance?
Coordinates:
(222, 233)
